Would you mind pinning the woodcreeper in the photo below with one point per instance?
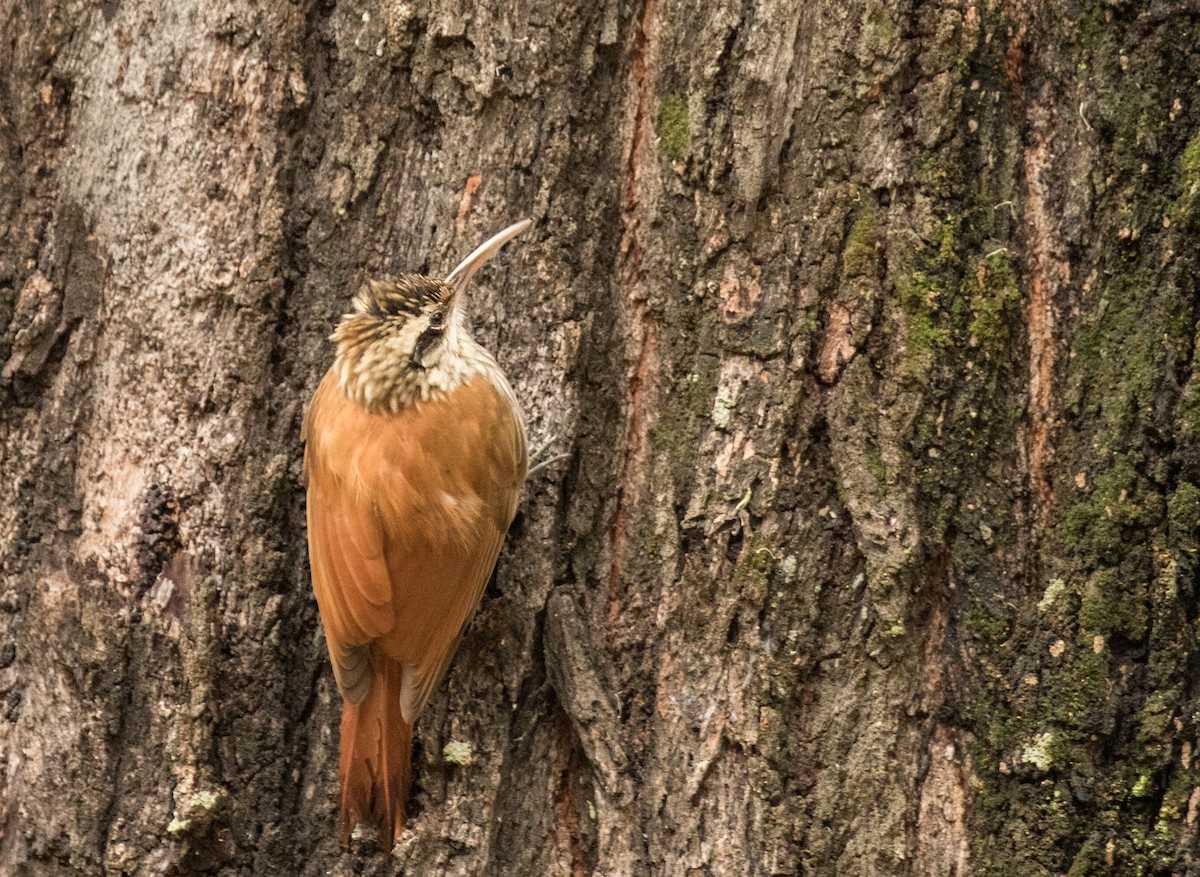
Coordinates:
(414, 461)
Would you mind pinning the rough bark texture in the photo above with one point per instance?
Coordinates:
(869, 328)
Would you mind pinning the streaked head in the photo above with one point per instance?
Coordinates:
(413, 314)
(404, 335)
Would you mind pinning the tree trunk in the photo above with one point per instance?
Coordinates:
(869, 330)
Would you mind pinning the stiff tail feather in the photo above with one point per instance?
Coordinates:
(374, 764)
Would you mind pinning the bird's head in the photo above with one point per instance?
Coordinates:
(406, 338)
(411, 316)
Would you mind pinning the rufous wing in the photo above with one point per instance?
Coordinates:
(407, 514)
(480, 463)
(420, 680)
(346, 554)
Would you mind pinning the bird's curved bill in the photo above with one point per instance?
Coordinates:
(458, 279)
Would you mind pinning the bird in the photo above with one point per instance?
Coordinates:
(414, 460)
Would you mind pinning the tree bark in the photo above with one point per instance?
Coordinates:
(869, 329)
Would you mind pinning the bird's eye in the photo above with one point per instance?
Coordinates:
(437, 320)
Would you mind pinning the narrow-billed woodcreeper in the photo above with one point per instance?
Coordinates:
(414, 461)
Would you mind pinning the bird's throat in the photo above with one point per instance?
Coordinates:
(379, 376)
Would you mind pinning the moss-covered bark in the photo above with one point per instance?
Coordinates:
(869, 329)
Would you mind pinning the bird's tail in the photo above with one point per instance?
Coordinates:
(375, 766)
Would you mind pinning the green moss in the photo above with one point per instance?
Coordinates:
(938, 173)
(686, 416)
(1120, 354)
(1096, 529)
(1154, 722)
(858, 257)
(755, 566)
(1188, 414)
(1183, 521)
(876, 17)
(1074, 694)
(987, 626)
(1089, 860)
(994, 298)
(1120, 540)
(1091, 25)
(919, 296)
(1189, 171)
(1190, 163)
(1088, 530)
(1175, 802)
(876, 465)
(949, 241)
(1183, 508)
(1111, 607)
(878, 35)
(673, 136)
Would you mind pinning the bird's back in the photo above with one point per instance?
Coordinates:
(406, 516)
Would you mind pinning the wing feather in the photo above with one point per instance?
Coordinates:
(349, 572)
(406, 517)
(422, 680)
(497, 438)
